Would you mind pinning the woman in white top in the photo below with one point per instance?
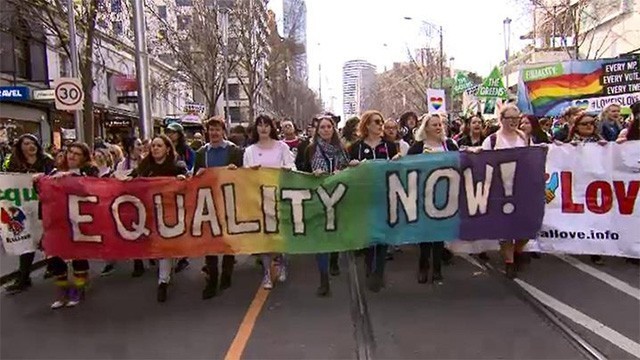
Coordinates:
(266, 150)
(509, 136)
(133, 154)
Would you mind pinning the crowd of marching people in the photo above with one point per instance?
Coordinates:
(319, 149)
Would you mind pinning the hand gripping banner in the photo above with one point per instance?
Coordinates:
(434, 197)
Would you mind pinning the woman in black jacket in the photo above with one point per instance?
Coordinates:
(325, 155)
(162, 161)
(27, 157)
(370, 146)
(77, 162)
(431, 138)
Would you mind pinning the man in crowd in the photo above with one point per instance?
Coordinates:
(217, 153)
(290, 135)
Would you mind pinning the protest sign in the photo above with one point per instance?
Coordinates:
(434, 197)
(436, 101)
(492, 86)
(462, 83)
(20, 228)
(548, 90)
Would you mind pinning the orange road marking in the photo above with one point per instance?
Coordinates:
(246, 327)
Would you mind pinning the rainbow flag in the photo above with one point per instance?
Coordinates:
(434, 197)
(547, 90)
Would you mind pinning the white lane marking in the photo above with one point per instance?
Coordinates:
(602, 276)
(576, 316)
(473, 261)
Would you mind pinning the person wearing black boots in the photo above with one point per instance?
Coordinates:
(325, 155)
(217, 153)
(371, 146)
(27, 157)
(431, 138)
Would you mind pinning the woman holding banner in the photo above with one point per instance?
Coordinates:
(162, 161)
(266, 150)
(325, 155)
(77, 162)
(473, 136)
(371, 146)
(27, 157)
(431, 138)
(509, 136)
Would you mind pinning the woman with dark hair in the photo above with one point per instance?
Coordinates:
(133, 149)
(350, 131)
(370, 146)
(27, 157)
(408, 123)
(266, 150)
(162, 161)
(184, 153)
(431, 138)
(77, 162)
(531, 127)
(473, 136)
(325, 155)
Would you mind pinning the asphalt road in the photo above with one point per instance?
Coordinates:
(473, 315)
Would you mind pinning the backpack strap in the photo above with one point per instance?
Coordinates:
(493, 138)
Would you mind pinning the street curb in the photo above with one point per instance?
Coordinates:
(12, 275)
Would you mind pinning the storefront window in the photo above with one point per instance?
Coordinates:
(11, 129)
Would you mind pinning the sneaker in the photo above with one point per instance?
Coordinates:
(108, 270)
(62, 299)
(209, 291)
(266, 282)
(438, 279)
(282, 273)
(74, 298)
(58, 304)
(162, 292)
(182, 264)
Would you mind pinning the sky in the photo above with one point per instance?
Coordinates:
(377, 31)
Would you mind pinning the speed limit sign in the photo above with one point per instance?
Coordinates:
(68, 93)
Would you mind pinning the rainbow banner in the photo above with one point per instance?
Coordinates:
(431, 197)
(547, 90)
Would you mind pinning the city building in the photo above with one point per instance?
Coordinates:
(578, 29)
(358, 80)
(179, 16)
(295, 28)
(37, 61)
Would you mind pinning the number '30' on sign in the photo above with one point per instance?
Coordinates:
(68, 93)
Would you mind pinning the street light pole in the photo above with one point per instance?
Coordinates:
(142, 69)
(75, 67)
(441, 60)
(225, 43)
(506, 24)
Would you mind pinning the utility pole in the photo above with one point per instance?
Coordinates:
(142, 70)
(225, 43)
(75, 68)
(441, 60)
(506, 25)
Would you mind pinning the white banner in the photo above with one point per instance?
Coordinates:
(592, 200)
(20, 228)
(592, 203)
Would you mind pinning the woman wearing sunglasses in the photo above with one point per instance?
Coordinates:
(371, 146)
